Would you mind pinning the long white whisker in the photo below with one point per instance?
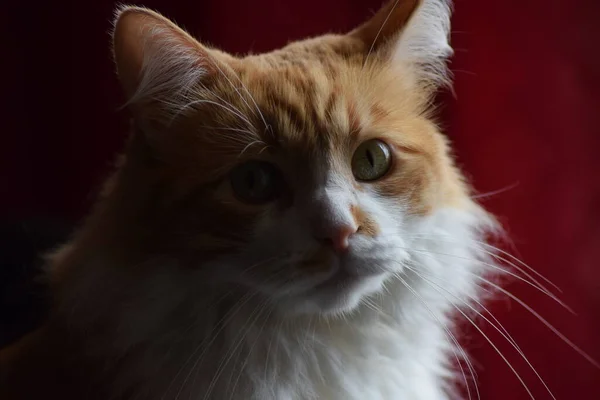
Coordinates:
(493, 345)
(234, 107)
(233, 349)
(205, 101)
(451, 336)
(379, 32)
(216, 65)
(516, 259)
(537, 315)
(528, 275)
(222, 322)
(250, 145)
(369, 303)
(502, 331)
(496, 267)
(542, 320)
(495, 192)
(249, 354)
(280, 326)
(479, 246)
(262, 117)
(223, 128)
(257, 264)
(507, 254)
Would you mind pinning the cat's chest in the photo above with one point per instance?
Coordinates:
(379, 358)
(377, 363)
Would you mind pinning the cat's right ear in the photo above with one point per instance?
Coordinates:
(157, 62)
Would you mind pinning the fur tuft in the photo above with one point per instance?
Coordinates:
(424, 42)
(172, 64)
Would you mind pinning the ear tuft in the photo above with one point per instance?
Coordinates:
(156, 60)
(424, 42)
(413, 33)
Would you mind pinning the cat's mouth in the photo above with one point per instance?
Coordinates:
(338, 280)
(344, 278)
(321, 261)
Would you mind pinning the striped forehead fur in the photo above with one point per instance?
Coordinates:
(174, 66)
(177, 262)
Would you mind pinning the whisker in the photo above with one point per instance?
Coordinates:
(493, 345)
(279, 328)
(502, 331)
(234, 107)
(495, 192)
(224, 128)
(496, 249)
(262, 117)
(451, 336)
(521, 270)
(379, 32)
(496, 267)
(369, 303)
(222, 322)
(190, 326)
(544, 321)
(231, 397)
(507, 254)
(257, 264)
(537, 315)
(496, 256)
(540, 318)
(205, 101)
(216, 65)
(250, 145)
(232, 350)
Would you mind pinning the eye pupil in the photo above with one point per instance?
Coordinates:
(256, 182)
(250, 180)
(371, 160)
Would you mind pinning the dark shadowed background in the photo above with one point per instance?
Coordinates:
(524, 119)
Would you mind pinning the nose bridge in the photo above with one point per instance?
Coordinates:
(335, 202)
(329, 213)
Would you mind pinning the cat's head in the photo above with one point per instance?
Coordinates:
(297, 173)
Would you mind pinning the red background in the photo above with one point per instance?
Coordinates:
(527, 84)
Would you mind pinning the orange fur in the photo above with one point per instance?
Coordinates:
(317, 96)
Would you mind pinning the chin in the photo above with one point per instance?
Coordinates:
(341, 294)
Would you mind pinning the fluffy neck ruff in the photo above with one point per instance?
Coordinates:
(173, 339)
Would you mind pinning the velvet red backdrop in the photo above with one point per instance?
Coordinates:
(524, 119)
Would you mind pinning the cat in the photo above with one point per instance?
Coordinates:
(288, 225)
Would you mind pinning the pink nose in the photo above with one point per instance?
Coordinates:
(338, 237)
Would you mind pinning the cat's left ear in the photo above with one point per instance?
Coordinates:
(413, 34)
(157, 62)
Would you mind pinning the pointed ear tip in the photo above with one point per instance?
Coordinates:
(122, 10)
(120, 15)
(123, 13)
(125, 29)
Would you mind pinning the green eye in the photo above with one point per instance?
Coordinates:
(256, 182)
(371, 160)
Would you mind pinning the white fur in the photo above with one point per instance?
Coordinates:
(396, 347)
(424, 42)
(169, 67)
